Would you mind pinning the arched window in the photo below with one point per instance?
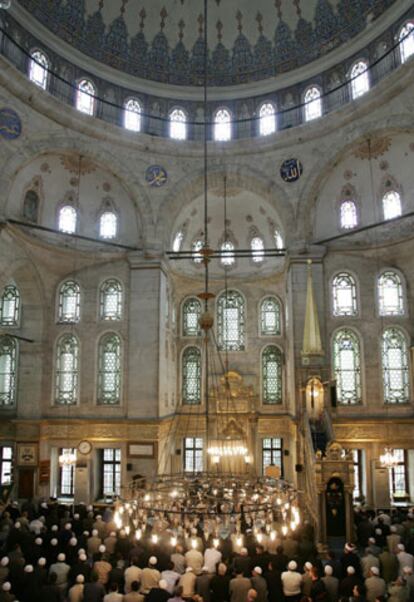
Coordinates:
(313, 103)
(344, 295)
(390, 294)
(38, 69)
(85, 97)
(132, 115)
(31, 206)
(406, 39)
(8, 370)
(267, 121)
(347, 367)
(178, 124)
(227, 253)
(270, 317)
(257, 247)
(191, 376)
(111, 300)
(10, 306)
(191, 317)
(67, 370)
(231, 321)
(395, 372)
(279, 242)
(178, 241)
(391, 205)
(109, 370)
(69, 302)
(222, 125)
(196, 248)
(348, 215)
(359, 79)
(108, 225)
(67, 219)
(272, 375)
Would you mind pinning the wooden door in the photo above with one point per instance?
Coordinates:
(26, 482)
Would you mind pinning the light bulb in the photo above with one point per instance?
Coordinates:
(284, 530)
(216, 543)
(239, 541)
(127, 529)
(138, 534)
(194, 543)
(173, 541)
(154, 538)
(259, 537)
(273, 535)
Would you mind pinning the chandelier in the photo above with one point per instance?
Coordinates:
(388, 459)
(67, 458)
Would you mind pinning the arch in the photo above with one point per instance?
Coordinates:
(8, 370)
(359, 78)
(270, 316)
(111, 299)
(190, 316)
(231, 321)
(31, 204)
(267, 119)
(39, 68)
(346, 362)
(395, 366)
(85, 98)
(191, 376)
(391, 293)
(222, 124)
(132, 115)
(272, 375)
(406, 40)
(312, 99)
(67, 370)
(344, 295)
(109, 382)
(178, 124)
(69, 302)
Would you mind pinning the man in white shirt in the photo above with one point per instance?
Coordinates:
(132, 573)
(114, 595)
(212, 557)
(195, 560)
(291, 582)
(171, 577)
(404, 558)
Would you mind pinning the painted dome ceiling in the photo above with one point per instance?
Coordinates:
(248, 40)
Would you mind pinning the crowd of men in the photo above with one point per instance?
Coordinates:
(51, 554)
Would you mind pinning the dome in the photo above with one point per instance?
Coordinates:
(162, 40)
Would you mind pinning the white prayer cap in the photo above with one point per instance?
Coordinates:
(408, 570)
(43, 505)
(328, 570)
(378, 531)
(102, 548)
(163, 584)
(17, 525)
(372, 540)
(401, 547)
(6, 586)
(258, 570)
(153, 560)
(292, 566)
(54, 542)
(82, 557)
(188, 569)
(204, 569)
(393, 529)
(99, 517)
(41, 561)
(61, 557)
(68, 526)
(73, 541)
(350, 570)
(54, 528)
(28, 568)
(374, 570)
(89, 508)
(86, 533)
(308, 566)
(80, 579)
(94, 532)
(349, 547)
(76, 516)
(81, 551)
(5, 561)
(112, 534)
(38, 541)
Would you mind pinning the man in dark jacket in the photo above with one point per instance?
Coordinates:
(93, 591)
(219, 584)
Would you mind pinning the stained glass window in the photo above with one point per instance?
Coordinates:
(359, 79)
(272, 453)
(67, 475)
(67, 370)
(344, 296)
(109, 370)
(267, 121)
(222, 125)
(270, 317)
(358, 472)
(227, 253)
(111, 472)
(279, 242)
(108, 225)
(257, 247)
(272, 375)
(132, 115)
(85, 97)
(31, 206)
(191, 376)
(347, 367)
(348, 215)
(6, 465)
(111, 300)
(193, 454)
(231, 321)
(406, 39)
(196, 248)
(391, 205)
(38, 69)
(313, 103)
(398, 475)
(395, 371)
(67, 219)
(69, 302)
(8, 371)
(191, 317)
(10, 306)
(178, 241)
(390, 294)
(178, 124)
